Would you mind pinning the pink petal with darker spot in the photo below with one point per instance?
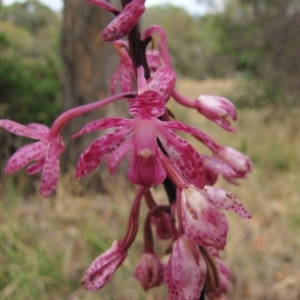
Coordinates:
(35, 167)
(102, 124)
(227, 201)
(147, 105)
(117, 156)
(184, 156)
(39, 128)
(98, 151)
(24, 156)
(104, 267)
(20, 129)
(51, 171)
(193, 131)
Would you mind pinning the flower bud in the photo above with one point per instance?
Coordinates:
(237, 160)
(218, 109)
(104, 267)
(149, 271)
(185, 271)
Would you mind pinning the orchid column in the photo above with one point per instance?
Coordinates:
(193, 220)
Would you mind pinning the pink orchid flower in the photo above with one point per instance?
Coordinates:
(140, 136)
(45, 152)
(202, 221)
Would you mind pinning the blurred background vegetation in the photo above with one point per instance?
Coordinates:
(249, 52)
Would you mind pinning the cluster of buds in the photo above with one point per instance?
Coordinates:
(193, 220)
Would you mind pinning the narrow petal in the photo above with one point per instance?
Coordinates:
(146, 171)
(20, 129)
(105, 5)
(39, 127)
(103, 124)
(51, 171)
(124, 22)
(126, 83)
(114, 80)
(99, 150)
(117, 156)
(184, 156)
(24, 156)
(222, 199)
(35, 167)
(191, 130)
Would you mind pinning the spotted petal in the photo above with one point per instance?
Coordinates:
(98, 151)
(20, 129)
(184, 156)
(193, 131)
(227, 201)
(50, 173)
(102, 124)
(24, 156)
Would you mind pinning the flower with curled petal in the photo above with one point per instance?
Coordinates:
(104, 267)
(45, 153)
(202, 221)
(140, 136)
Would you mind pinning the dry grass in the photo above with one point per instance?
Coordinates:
(46, 244)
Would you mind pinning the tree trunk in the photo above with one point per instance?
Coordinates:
(89, 63)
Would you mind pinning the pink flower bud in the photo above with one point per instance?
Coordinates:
(185, 271)
(149, 271)
(104, 267)
(224, 281)
(218, 109)
(237, 160)
(201, 220)
(163, 224)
